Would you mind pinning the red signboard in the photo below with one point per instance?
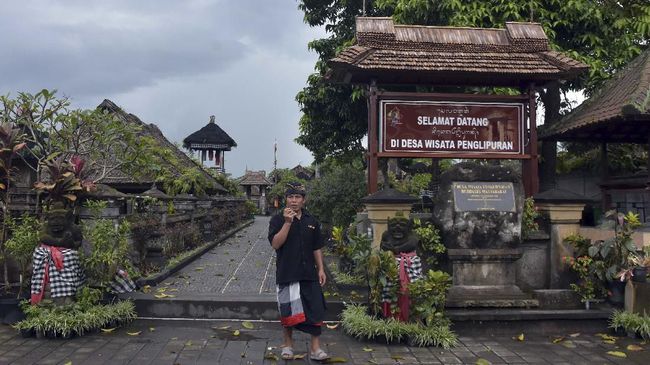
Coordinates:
(465, 129)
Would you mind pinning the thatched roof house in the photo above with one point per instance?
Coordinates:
(411, 54)
(126, 183)
(618, 112)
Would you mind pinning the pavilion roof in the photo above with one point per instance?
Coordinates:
(617, 112)
(412, 54)
(255, 178)
(210, 135)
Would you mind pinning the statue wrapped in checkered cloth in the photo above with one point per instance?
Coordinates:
(402, 242)
(57, 272)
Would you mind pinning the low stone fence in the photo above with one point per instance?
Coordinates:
(169, 228)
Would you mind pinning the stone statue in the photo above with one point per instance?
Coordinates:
(403, 243)
(60, 230)
(57, 271)
(399, 237)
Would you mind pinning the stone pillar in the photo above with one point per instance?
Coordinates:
(386, 204)
(563, 210)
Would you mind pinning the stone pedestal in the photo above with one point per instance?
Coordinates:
(385, 204)
(563, 211)
(486, 278)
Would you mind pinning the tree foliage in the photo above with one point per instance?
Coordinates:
(53, 129)
(336, 196)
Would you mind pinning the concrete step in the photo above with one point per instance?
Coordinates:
(468, 321)
(252, 307)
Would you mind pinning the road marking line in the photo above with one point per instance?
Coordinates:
(266, 274)
(238, 266)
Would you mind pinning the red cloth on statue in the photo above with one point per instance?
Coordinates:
(403, 299)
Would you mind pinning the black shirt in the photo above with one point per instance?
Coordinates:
(295, 258)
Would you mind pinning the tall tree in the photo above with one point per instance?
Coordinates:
(601, 33)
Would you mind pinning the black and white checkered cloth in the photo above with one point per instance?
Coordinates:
(64, 273)
(122, 283)
(413, 272)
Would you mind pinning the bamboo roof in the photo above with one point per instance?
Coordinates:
(255, 178)
(210, 137)
(412, 54)
(617, 112)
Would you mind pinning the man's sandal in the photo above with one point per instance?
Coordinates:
(319, 355)
(287, 353)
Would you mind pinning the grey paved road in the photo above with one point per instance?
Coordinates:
(244, 264)
(213, 342)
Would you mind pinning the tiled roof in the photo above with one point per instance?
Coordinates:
(210, 134)
(618, 112)
(119, 177)
(393, 53)
(255, 178)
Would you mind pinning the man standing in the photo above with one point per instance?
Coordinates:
(295, 236)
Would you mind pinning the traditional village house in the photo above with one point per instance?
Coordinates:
(255, 185)
(128, 184)
(304, 173)
(210, 142)
(619, 112)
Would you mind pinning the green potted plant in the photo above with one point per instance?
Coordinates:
(21, 245)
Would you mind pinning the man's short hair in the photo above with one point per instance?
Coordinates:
(294, 188)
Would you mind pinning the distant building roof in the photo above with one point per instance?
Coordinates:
(120, 177)
(209, 137)
(413, 54)
(255, 178)
(303, 172)
(618, 112)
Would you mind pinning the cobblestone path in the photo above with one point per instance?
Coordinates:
(242, 265)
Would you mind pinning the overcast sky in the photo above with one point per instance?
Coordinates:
(173, 63)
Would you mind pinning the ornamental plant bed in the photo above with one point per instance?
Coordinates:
(49, 321)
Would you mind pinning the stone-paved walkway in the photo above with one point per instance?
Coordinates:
(244, 264)
(213, 342)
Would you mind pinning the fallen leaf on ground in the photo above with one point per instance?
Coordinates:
(335, 360)
(558, 339)
(160, 296)
(574, 335)
(221, 328)
(299, 356)
(161, 290)
(188, 343)
(146, 289)
(152, 329)
(271, 356)
(483, 362)
(520, 337)
(248, 325)
(397, 357)
(137, 333)
(569, 344)
(609, 342)
(200, 268)
(634, 348)
(617, 353)
(68, 363)
(108, 330)
(332, 326)
(236, 333)
(367, 349)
